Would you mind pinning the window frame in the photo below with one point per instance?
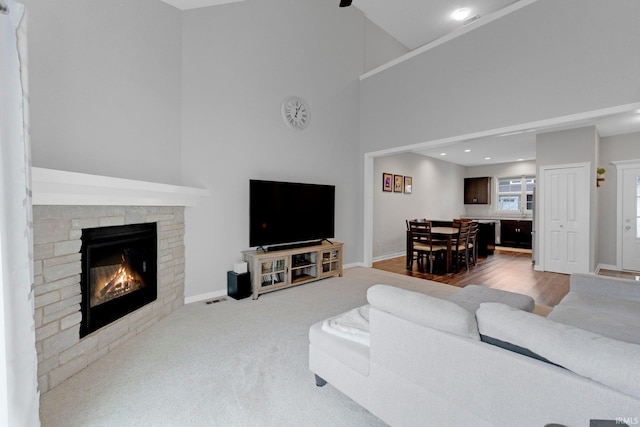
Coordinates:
(522, 194)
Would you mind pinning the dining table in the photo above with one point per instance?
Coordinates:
(443, 233)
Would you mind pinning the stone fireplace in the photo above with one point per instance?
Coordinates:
(65, 345)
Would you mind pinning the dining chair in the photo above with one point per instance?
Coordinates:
(460, 250)
(423, 245)
(411, 254)
(472, 245)
(458, 221)
(456, 224)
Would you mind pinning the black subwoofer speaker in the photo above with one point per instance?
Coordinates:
(238, 285)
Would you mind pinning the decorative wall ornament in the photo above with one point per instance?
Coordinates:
(398, 183)
(295, 112)
(392, 183)
(600, 177)
(386, 182)
(408, 183)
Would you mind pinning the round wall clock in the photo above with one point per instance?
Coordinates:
(295, 112)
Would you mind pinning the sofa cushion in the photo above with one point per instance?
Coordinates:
(612, 317)
(614, 287)
(424, 310)
(613, 363)
(471, 296)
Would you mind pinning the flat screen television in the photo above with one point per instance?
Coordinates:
(289, 212)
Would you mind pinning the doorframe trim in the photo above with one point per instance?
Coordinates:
(621, 166)
(540, 229)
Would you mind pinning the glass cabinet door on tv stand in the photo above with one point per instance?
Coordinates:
(274, 270)
(331, 261)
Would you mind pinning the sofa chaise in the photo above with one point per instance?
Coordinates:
(415, 360)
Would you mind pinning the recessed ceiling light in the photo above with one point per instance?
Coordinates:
(487, 158)
(467, 150)
(460, 14)
(443, 154)
(520, 160)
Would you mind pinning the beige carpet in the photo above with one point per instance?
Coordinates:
(233, 363)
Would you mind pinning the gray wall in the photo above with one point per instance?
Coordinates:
(551, 58)
(105, 82)
(142, 90)
(566, 147)
(380, 47)
(612, 148)
(239, 62)
(438, 189)
(199, 92)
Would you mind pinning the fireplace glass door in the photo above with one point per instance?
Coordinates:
(118, 272)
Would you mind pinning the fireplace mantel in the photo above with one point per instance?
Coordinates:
(55, 187)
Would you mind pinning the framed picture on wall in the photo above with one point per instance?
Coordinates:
(387, 182)
(408, 181)
(398, 183)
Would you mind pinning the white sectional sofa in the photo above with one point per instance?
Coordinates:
(430, 362)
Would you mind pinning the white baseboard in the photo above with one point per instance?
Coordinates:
(223, 293)
(207, 296)
(353, 264)
(389, 256)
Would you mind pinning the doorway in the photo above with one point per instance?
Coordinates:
(565, 218)
(629, 215)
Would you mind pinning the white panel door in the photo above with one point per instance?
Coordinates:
(631, 219)
(566, 207)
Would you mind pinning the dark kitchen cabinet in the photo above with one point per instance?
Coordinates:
(477, 191)
(515, 233)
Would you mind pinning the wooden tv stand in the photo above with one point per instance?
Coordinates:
(281, 269)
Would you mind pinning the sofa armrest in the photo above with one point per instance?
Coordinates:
(612, 287)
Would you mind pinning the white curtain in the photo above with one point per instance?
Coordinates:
(19, 399)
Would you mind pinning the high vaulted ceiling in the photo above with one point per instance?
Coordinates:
(416, 23)
(412, 22)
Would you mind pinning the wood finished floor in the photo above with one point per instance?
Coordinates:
(505, 270)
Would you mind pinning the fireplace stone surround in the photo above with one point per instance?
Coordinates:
(57, 268)
(65, 203)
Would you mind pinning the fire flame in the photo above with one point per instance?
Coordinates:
(108, 286)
